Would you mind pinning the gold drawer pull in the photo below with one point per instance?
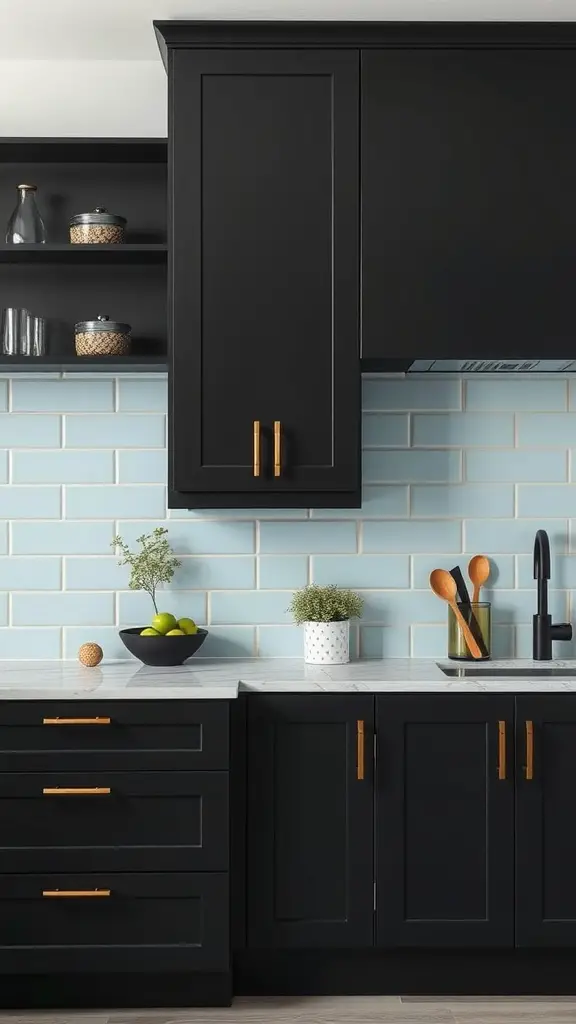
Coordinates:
(75, 893)
(277, 448)
(501, 750)
(529, 767)
(75, 721)
(256, 448)
(76, 791)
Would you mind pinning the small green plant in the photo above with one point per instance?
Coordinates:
(325, 604)
(152, 565)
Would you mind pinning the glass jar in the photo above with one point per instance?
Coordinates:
(97, 228)
(478, 615)
(26, 225)
(102, 337)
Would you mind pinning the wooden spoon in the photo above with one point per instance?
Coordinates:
(478, 571)
(444, 586)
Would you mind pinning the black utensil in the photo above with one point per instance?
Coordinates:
(464, 598)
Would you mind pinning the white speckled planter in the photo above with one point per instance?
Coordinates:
(327, 643)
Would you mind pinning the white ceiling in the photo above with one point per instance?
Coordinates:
(113, 29)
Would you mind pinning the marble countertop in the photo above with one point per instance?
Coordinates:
(207, 679)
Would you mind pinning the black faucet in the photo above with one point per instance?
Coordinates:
(543, 630)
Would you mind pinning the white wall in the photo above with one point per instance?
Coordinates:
(83, 98)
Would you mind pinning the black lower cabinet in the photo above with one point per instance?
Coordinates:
(546, 820)
(310, 821)
(445, 820)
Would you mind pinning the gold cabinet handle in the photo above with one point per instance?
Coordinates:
(256, 455)
(75, 893)
(75, 721)
(277, 448)
(76, 791)
(501, 750)
(360, 749)
(529, 766)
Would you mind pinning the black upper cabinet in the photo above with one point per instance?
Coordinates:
(469, 218)
(445, 820)
(310, 821)
(263, 158)
(545, 820)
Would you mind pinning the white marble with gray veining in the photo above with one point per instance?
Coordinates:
(207, 679)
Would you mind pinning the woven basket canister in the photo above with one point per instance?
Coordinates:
(102, 337)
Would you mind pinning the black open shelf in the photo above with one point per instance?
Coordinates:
(68, 283)
(81, 254)
(70, 150)
(83, 364)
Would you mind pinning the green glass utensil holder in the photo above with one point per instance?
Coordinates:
(478, 615)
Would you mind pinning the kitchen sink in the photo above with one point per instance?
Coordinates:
(521, 673)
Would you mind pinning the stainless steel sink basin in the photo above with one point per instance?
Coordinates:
(520, 673)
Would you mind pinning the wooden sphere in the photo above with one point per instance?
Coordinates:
(90, 655)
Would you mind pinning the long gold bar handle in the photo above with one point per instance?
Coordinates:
(256, 455)
(501, 750)
(77, 791)
(277, 448)
(529, 768)
(75, 893)
(75, 721)
(360, 749)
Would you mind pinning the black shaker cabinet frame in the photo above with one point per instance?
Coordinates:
(265, 374)
(310, 821)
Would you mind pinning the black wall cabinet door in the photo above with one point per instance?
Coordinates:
(546, 820)
(264, 276)
(445, 842)
(310, 821)
(469, 219)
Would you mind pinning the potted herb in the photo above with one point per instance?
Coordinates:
(325, 613)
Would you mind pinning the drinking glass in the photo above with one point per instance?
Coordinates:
(33, 337)
(14, 330)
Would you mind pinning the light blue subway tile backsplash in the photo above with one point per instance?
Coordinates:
(62, 467)
(549, 395)
(517, 466)
(463, 430)
(62, 395)
(116, 502)
(118, 430)
(145, 466)
(411, 466)
(451, 468)
(380, 395)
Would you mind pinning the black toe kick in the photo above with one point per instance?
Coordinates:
(96, 991)
(413, 973)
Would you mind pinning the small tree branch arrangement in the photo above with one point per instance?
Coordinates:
(315, 603)
(152, 565)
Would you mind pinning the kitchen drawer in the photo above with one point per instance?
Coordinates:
(153, 821)
(113, 735)
(148, 922)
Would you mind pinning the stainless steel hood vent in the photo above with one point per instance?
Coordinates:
(493, 366)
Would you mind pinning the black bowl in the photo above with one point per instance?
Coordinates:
(162, 650)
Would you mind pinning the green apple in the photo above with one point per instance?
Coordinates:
(175, 632)
(187, 625)
(149, 632)
(163, 621)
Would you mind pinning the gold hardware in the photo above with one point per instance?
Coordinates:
(360, 749)
(501, 750)
(79, 791)
(256, 447)
(529, 768)
(75, 893)
(75, 721)
(277, 448)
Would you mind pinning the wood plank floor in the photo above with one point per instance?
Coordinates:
(335, 1010)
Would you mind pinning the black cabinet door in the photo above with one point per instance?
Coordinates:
(310, 821)
(546, 820)
(264, 274)
(445, 820)
(469, 219)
